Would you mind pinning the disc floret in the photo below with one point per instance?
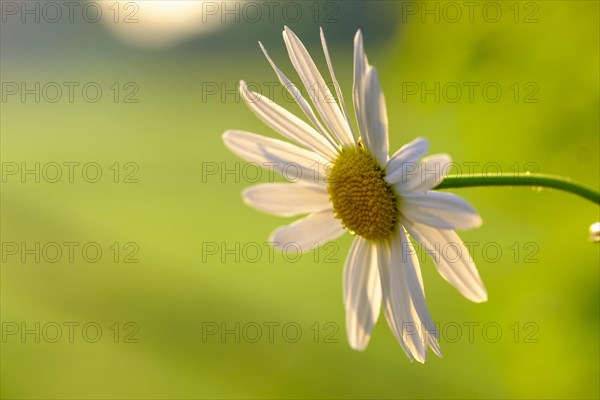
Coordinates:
(361, 198)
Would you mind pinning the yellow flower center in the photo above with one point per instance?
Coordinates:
(362, 199)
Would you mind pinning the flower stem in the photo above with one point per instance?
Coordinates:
(538, 180)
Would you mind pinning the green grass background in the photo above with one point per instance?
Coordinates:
(171, 293)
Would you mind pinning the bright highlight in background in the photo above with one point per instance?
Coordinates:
(159, 24)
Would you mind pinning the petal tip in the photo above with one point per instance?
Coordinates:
(480, 296)
(483, 298)
(272, 240)
(357, 346)
(421, 140)
(479, 221)
(420, 358)
(227, 135)
(247, 193)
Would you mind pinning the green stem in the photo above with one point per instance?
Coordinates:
(538, 180)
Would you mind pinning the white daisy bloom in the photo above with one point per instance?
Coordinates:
(347, 181)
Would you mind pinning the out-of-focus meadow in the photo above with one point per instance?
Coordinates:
(185, 299)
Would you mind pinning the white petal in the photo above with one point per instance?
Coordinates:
(408, 315)
(376, 137)
(440, 210)
(293, 90)
(317, 89)
(403, 164)
(358, 86)
(287, 199)
(452, 259)
(362, 292)
(396, 328)
(412, 270)
(401, 331)
(286, 123)
(308, 233)
(430, 172)
(338, 89)
(398, 311)
(294, 163)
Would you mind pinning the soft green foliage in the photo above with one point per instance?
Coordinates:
(550, 291)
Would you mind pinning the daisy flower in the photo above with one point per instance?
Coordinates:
(345, 180)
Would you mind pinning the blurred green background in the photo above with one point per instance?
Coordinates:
(543, 286)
